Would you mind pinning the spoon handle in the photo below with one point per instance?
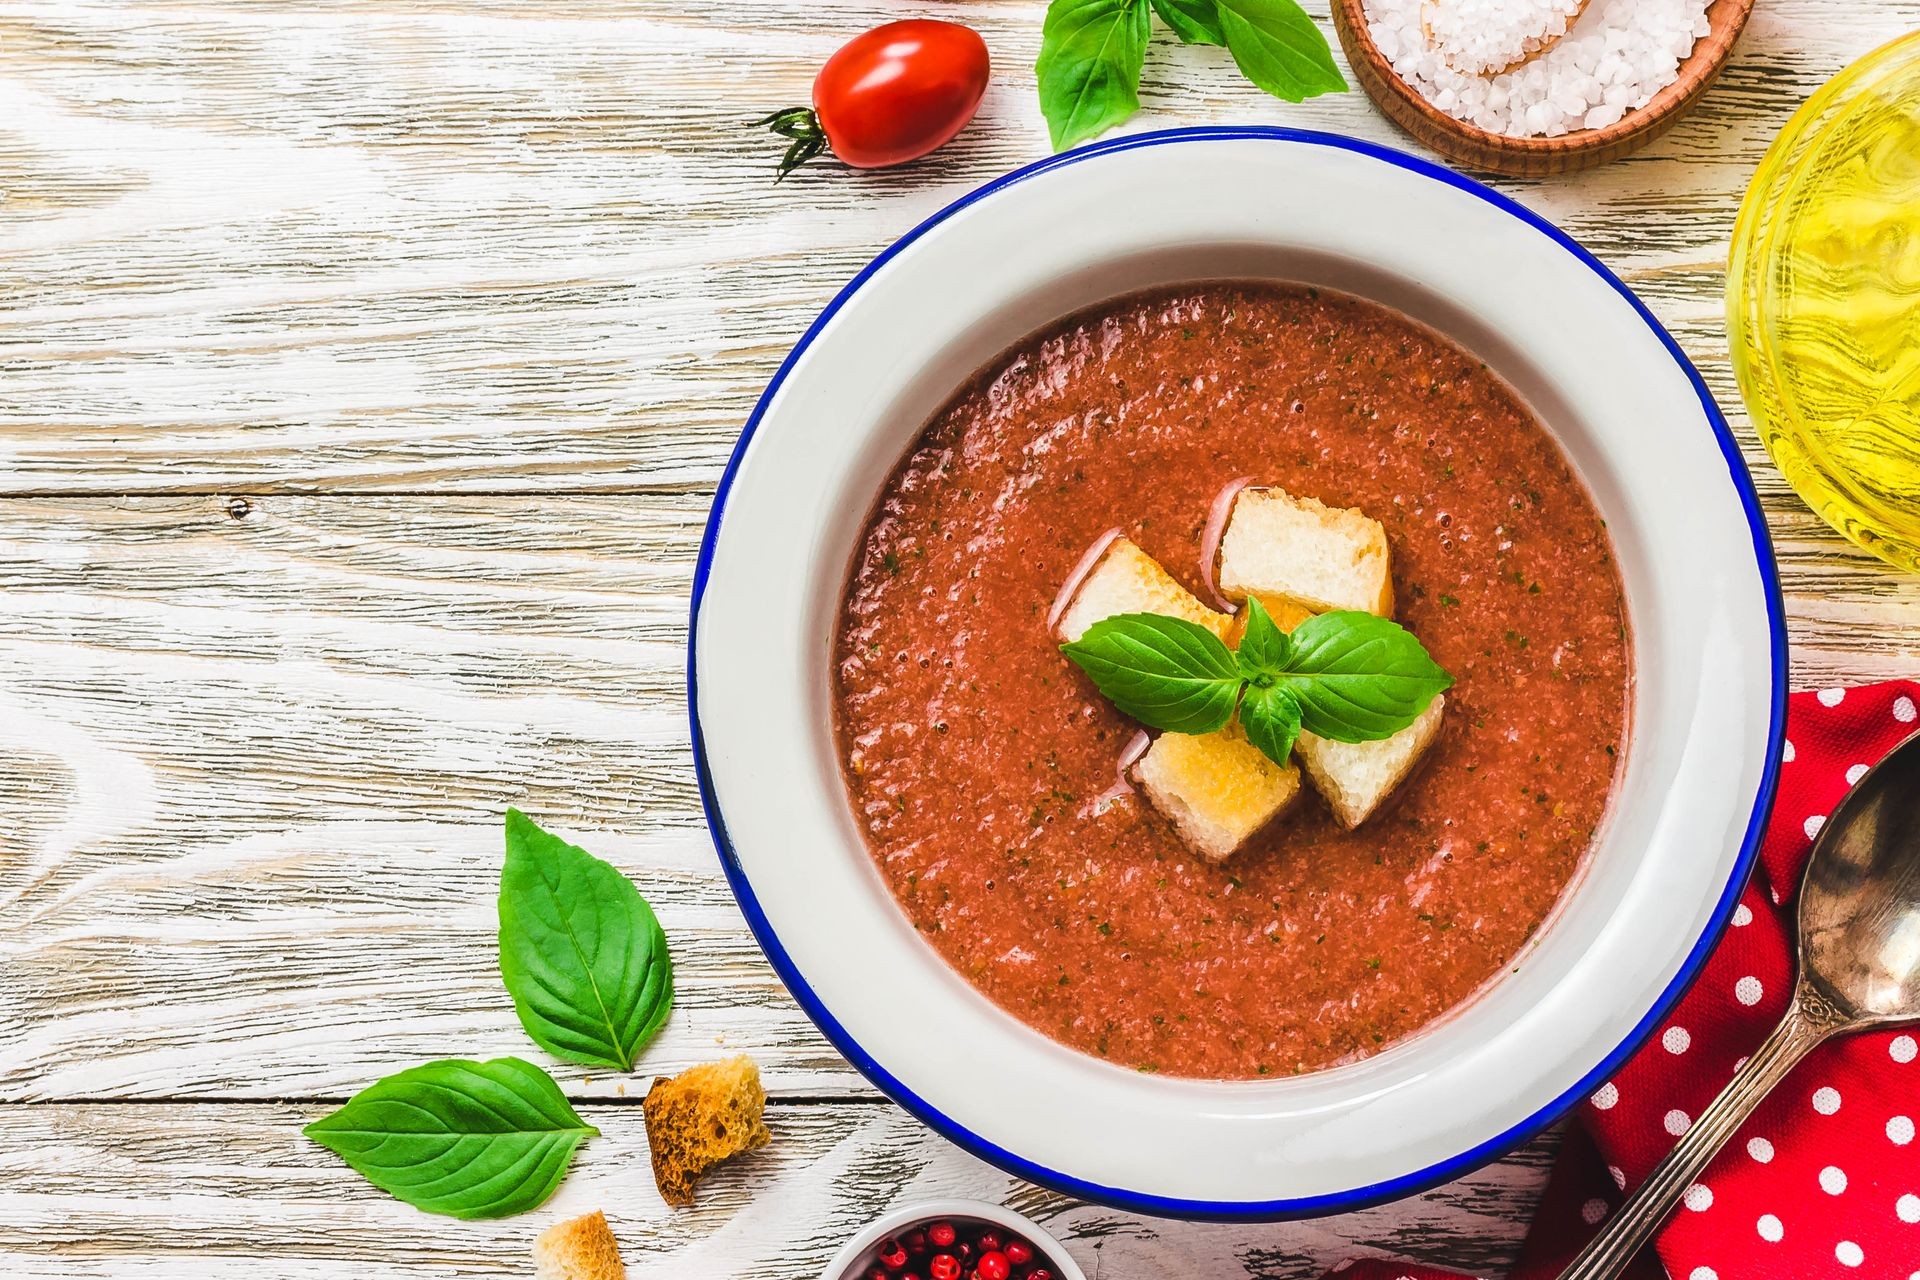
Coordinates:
(1809, 1021)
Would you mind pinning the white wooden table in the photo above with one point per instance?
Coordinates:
(365, 369)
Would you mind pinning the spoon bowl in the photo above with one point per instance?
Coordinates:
(1860, 901)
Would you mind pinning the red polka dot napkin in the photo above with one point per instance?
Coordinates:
(1823, 1182)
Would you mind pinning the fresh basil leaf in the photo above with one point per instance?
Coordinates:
(581, 952)
(1278, 47)
(1271, 719)
(1091, 52)
(467, 1139)
(1194, 21)
(1358, 677)
(1167, 673)
(1264, 647)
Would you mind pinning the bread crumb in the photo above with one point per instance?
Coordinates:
(580, 1248)
(703, 1116)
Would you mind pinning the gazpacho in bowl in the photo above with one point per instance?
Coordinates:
(1236, 673)
(1126, 920)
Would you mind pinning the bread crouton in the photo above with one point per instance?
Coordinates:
(1354, 777)
(1128, 580)
(1216, 788)
(1321, 558)
(703, 1116)
(580, 1248)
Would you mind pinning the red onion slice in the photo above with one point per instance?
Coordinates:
(1135, 748)
(1079, 575)
(1215, 530)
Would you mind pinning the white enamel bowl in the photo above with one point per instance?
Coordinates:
(1204, 204)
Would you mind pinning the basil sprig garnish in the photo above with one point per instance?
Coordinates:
(581, 952)
(467, 1139)
(1347, 675)
(1092, 52)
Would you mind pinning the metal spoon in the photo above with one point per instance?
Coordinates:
(1859, 969)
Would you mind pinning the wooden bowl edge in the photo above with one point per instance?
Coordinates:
(1535, 157)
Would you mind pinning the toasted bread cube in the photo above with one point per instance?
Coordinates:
(701, 1117)
(1355, 777)
(1216, 788)
(1296, 549)
(578, 1249)
(1128, 580)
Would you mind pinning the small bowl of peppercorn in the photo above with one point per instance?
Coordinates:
(953, 1240)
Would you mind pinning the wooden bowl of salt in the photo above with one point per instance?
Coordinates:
(1530, 156)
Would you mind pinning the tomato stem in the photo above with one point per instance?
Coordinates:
(808, 139)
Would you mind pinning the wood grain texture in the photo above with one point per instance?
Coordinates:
(232, 1192)
(496, 284)
(325, 708)
(387, 245)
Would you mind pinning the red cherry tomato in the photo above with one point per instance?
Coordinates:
(889, 96)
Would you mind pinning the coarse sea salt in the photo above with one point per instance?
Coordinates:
(1486, 37)
(1613, 60)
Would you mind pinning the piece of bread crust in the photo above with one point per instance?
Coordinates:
(580, 1248)
(1128, 580)
(1216, 788)
(703, 1116)
(1300, 550)
(1356, 777)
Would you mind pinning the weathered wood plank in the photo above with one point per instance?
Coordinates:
(310, 245)
(257, 750)
(262, 758)
(233, 1192)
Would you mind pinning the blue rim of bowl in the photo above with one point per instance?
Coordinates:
(1333, 1202)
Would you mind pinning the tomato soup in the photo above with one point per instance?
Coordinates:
(974, 753)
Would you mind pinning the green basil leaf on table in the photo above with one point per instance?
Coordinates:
(1165, 672)
(1091, 52)
(1194, 21)
(466, 1139)
(1359, 677)
(1264, 647)
(581, 952)
(1271, 719)
(1278, 47)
